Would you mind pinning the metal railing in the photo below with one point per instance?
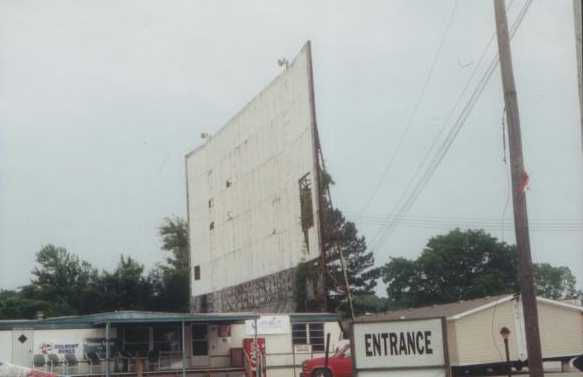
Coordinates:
(118, 364)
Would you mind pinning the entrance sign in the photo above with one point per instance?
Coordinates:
(415, 348)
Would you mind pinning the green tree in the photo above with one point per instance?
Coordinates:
(463, 265)
(555, 282)
(340, 235)
(370, 304)
(14, 306)
(174, 235)
(170, 281)
(126, 288)
(62, 279)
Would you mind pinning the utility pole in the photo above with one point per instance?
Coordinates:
(519, 177)
(317, 193)
(577, 5)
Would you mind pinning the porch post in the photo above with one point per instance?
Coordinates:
(183, 352)
(255, 350)
(107, 351)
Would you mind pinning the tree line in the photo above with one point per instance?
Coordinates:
(63, 284)
(458, 265)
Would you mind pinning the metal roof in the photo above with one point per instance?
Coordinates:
(313, 317)
(140, 317)
(444, 310)
(123, 317)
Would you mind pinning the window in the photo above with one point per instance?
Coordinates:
(316, 332)
(309, 333)
(212, 225)
(199, 340)
(299, 333)
(211, 203)
(136, 340)
(168, 338)
(196, 272)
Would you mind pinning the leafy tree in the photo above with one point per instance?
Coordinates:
(555, 282)
(370, 304)
(463, 265)
(401, 275)
(171, 281)
(14, 306)
(174, 235)
(62, 284)
(62, 279)
(126, 288)
(342, 235)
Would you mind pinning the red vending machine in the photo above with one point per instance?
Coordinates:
(251, 365)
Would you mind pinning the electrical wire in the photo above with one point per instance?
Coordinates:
(413, 114)
(410, 199)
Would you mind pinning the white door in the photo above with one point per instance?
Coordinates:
(22, 347)
(200, 345)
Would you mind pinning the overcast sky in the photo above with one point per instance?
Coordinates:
(101, 100)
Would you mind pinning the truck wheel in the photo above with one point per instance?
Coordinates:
(322, 373)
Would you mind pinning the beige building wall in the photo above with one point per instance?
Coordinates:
(477, 337)
(452, 343)
(561, 330)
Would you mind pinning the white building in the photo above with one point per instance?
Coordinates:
(164, 344)
(252, 199)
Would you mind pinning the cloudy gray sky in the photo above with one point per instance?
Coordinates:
(100, 100)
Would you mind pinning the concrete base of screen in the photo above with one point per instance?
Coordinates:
(269, 294)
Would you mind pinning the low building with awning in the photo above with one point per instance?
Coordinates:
(137, 343)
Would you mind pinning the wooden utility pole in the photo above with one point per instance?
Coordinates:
(577, 10)
(317, 189)
(519, 180)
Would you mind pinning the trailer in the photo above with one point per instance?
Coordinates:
(476, 330)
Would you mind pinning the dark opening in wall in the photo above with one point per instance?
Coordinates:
(212, 225)
(306, 210)
(211, 203)
(196, 272)
(228, 183)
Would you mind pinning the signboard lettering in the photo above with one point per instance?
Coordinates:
(392, 343)
(401, 346)
(269, 325)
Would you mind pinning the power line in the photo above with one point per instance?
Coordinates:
(470, 220)
(437, 158)
(492, 226)
(413, 113)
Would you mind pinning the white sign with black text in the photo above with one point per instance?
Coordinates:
(405, 347)
(269, 325)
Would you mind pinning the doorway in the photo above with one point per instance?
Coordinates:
(22, 347)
